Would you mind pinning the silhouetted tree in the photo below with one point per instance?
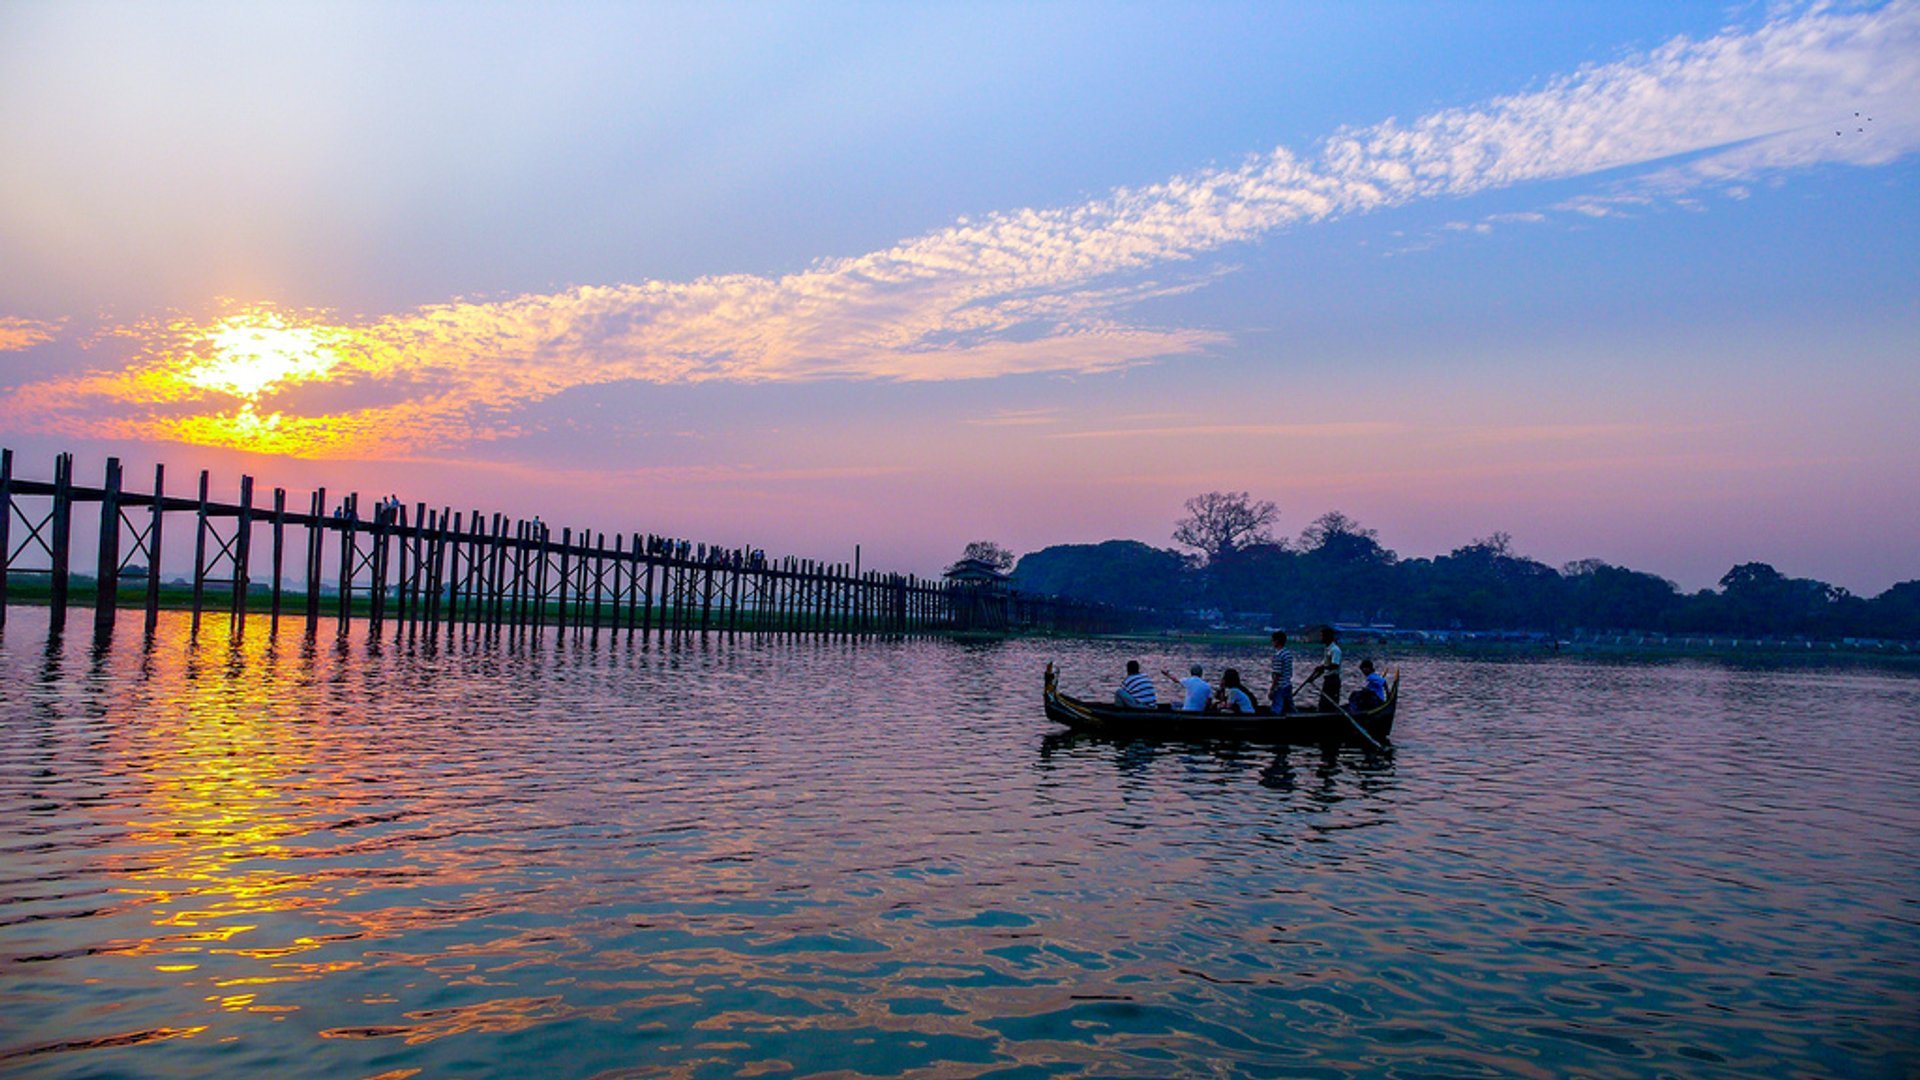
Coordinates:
(1894, 613)
(990, 553)
(1601, 596)
(1255, 578)
(1221, 522)
(1757, 599)
(1341, 571)
(1126, 573)
(1337, 537)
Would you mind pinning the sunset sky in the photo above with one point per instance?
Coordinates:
(1638, 282)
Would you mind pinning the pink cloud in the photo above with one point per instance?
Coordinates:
(18, 334)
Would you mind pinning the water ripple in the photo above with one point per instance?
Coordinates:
(791, 858)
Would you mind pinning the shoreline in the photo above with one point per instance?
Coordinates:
(1700, 647)
(1635, 648)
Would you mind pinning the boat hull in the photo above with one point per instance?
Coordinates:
(1365, 727)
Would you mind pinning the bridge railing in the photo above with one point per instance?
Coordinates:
(426, 573)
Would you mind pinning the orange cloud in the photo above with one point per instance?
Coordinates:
(17, 333)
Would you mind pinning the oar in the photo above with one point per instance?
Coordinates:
(1336, 705)
(1371, 741)
(1309, 681)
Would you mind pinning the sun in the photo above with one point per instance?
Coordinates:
(255, 351)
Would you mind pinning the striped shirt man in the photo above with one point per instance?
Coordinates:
(1138, 691)
(1283, 666)
(1281, 692)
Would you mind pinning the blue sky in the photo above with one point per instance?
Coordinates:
(909, 275)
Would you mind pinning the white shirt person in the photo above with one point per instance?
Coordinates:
(1196, 688)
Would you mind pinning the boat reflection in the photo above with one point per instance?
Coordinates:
(1338, 770)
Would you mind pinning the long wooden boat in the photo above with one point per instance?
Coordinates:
(1367, 727)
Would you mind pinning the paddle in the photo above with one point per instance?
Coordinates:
(1371, 741)
(1306, 682)
(1315, 677)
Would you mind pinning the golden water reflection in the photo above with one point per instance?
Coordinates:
(220, 759)
(374, 859)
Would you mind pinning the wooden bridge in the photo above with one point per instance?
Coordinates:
(422, 574)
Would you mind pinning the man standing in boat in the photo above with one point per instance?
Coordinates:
(1329, 670)
(1281, 692)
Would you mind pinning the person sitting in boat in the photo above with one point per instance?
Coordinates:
(1233, 696)
(1198, 693)
(1371, 696)
(1281, 692)
(1329, 670)
(1136, 691)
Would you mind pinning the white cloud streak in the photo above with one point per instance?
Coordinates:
(1048, 290)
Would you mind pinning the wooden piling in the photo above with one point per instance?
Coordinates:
(646, 612)
(395, 577)
(106, 595)
(349, 554)
(378, 531)
(316, 548)
(421, 583)
(563, 589)
(613, 593)
(455, 578)
(436, 576)
(541, 569)
(279, 557)
(6, 528)
(237, 556)
(62, 539)
(735, 575)
(516, 609)
(599, 580)
(474, 626)
(497, 576)
(200, 555)
(154, 534)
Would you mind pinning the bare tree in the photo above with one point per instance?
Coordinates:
(1332, 526)
(1335, 536)
(1498, 545)
(990, 553)
(1222, 522)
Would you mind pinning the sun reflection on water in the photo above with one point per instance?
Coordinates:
(208, 854)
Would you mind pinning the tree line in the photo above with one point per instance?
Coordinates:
(1338, 571)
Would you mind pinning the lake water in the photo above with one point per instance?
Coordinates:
(772, 858)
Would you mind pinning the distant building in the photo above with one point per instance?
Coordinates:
(974, 571)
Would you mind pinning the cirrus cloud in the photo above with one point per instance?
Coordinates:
(1028, 290)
